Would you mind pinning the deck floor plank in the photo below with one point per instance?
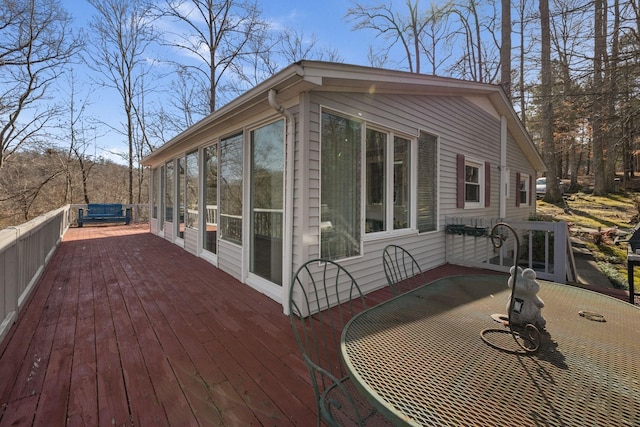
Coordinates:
(83, 402)
(126, 328)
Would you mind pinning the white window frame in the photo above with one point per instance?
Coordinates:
(389, 182)
(480, 166)
(527, 189)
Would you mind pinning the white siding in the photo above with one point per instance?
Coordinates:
(462, 127)
(230, 259)
(191, 242)
(518, 163)
(168, 231)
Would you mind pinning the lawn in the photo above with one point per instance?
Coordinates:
(598, 221)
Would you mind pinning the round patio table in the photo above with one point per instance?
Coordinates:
(419, 358)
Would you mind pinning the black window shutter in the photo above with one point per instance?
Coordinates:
(487, 184)
(517, 189)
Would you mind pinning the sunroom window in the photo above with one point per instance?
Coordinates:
(427, 182)
(231, 182)
(387, 199)
(340, 195)
(369, 184)
(169, 191)
(191, 195)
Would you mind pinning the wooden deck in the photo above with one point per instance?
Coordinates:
(126, 328)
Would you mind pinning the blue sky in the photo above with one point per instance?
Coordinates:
(324, 19)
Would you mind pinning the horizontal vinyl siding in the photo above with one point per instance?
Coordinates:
(462, 128)
(518, 164)
(229, 259)
(191, 242)
(168, 231)
(458, 123)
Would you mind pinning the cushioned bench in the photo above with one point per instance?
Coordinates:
(104, 213)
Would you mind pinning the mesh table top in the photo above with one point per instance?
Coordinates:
(420, 358)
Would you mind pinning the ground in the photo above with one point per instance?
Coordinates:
(596, 222)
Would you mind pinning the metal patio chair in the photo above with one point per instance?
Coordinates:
(323, 297)
(401, 269)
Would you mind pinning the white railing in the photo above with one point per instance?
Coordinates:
(212, 214)
(24, 252)
(544, 247)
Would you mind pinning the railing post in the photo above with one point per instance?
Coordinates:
(560, 252)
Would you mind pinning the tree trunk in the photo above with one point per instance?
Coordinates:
(599, 178)
(505, 48)
(553, 194)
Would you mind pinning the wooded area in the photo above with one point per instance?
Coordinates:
(571, 68)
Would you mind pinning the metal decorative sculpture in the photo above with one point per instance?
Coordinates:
(523, 305)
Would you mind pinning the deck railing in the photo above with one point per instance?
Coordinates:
(24, 252)
(544, 247)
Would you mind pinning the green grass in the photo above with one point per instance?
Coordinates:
(597, 221)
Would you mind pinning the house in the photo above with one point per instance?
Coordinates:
(335, 160)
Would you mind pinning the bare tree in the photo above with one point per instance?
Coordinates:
(407, 30)
(378, 58)
(122, 33)
(74, 131)
(505, 47)
(216, 35)
(295, 46)
(553, 191)
(480, 60)
(599, 184)
(35, 44)
(435, 40)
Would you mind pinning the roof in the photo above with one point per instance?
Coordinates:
(330, 76)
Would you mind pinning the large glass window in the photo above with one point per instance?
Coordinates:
(169, 190)
(161, 195)
(401, 182)
(180, 196)
(340, 186)
(155, 185)
(231, 189)
(267, 201)
(192, 190)
(387, 199)
(211, 198)
(376, 183)
(427, 181)
(388, 193)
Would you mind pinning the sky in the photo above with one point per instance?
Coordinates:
(324, 19)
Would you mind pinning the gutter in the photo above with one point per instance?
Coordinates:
(287, 231)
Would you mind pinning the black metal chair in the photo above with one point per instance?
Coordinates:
(402, 270)
(323, 297)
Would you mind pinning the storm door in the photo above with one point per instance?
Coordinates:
(267, 201)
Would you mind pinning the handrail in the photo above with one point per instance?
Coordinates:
(24, 252)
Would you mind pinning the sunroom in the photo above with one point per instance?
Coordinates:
(337, 161)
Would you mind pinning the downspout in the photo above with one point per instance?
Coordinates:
(504, 169)
(287, 231)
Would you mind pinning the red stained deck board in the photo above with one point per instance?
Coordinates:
(125, 327)
(82, 409)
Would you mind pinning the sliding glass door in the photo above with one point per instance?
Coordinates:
(267, 201)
